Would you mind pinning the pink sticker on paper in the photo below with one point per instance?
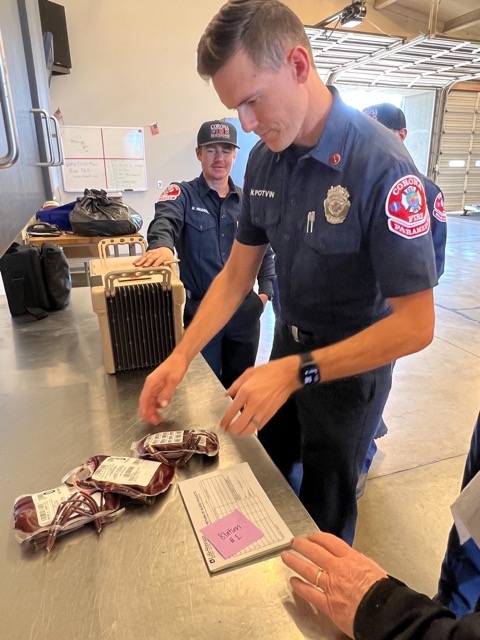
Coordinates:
(232, 533)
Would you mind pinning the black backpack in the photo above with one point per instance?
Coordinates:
(36, 280)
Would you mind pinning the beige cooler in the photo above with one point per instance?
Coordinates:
(140, 312)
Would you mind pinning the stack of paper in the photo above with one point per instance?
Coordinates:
(232, 517)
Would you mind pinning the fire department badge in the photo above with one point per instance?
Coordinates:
(170, 193)
(336, 204)
(406, 208)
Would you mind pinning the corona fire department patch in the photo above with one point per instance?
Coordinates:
(220, 130)
(336, 204)
(439, 208)
(406, 208)
(170, 193)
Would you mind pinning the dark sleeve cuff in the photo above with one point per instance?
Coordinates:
(390, 609)
(156, 244)
(266, 289)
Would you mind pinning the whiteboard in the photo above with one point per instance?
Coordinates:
(110, 158)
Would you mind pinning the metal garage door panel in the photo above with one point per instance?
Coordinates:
(460, 143)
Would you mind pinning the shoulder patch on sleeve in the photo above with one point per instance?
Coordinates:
(439, 208)
(170, 193)
(406, 208)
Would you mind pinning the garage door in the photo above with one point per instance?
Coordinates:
(458, 172)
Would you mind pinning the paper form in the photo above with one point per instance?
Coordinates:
(466, 511)
(214, 495)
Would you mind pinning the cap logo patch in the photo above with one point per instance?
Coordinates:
(406, 208)
(337, 204)
(439, 208)
(170, 193)
(219, 131)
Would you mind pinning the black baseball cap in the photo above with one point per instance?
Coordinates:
(387, 114)
(217, 131)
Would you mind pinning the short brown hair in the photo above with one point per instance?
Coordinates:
(262, 28)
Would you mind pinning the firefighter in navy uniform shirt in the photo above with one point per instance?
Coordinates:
(199, 219)
(348, 223)
(344, 209)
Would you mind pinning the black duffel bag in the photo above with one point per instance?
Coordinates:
(98, 215)
(36, 280)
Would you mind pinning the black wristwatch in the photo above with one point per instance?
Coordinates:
(308, 373)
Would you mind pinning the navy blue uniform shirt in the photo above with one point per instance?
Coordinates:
(438, 220)
(194, 219)
(348, 223)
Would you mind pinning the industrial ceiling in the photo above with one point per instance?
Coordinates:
(447, 53)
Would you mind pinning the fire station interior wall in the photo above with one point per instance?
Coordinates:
(135, 65)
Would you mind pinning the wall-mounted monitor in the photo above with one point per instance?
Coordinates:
(53, 19)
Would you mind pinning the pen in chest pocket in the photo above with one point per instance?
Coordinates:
(310, 221)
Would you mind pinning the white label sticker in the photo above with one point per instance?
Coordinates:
(202, 441)
(123, 470)
(46, 503)
(164, 437)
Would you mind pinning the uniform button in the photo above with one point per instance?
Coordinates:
(223, 235)
(334, 158)
(286, 237)
(292, 201)
(223, 253)
(223, 216)
(257, 219)
(201, 227)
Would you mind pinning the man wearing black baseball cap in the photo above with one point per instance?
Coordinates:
(198, 218)
(394, 119)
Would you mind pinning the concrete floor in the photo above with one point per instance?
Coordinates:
(405, 513)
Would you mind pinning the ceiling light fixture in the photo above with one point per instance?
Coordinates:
(348, 17)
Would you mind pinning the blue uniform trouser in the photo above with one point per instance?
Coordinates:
(234, 348)
(459, 585)
(328, 427)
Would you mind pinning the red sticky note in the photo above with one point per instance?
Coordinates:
(232, 533)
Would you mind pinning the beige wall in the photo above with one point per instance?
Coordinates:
(134, 63)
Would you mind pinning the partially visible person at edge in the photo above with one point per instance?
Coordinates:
(363, 601)
(394, 119)
(199, 219)
(343, 207)
(459, 585)
(366, 603)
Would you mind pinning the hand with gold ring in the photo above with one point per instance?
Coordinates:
(336, 577)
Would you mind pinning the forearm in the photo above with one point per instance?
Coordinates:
(392, 611)
(407, 330)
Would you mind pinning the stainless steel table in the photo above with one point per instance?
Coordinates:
(144, 577)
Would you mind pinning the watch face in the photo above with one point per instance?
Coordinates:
(310, 374)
